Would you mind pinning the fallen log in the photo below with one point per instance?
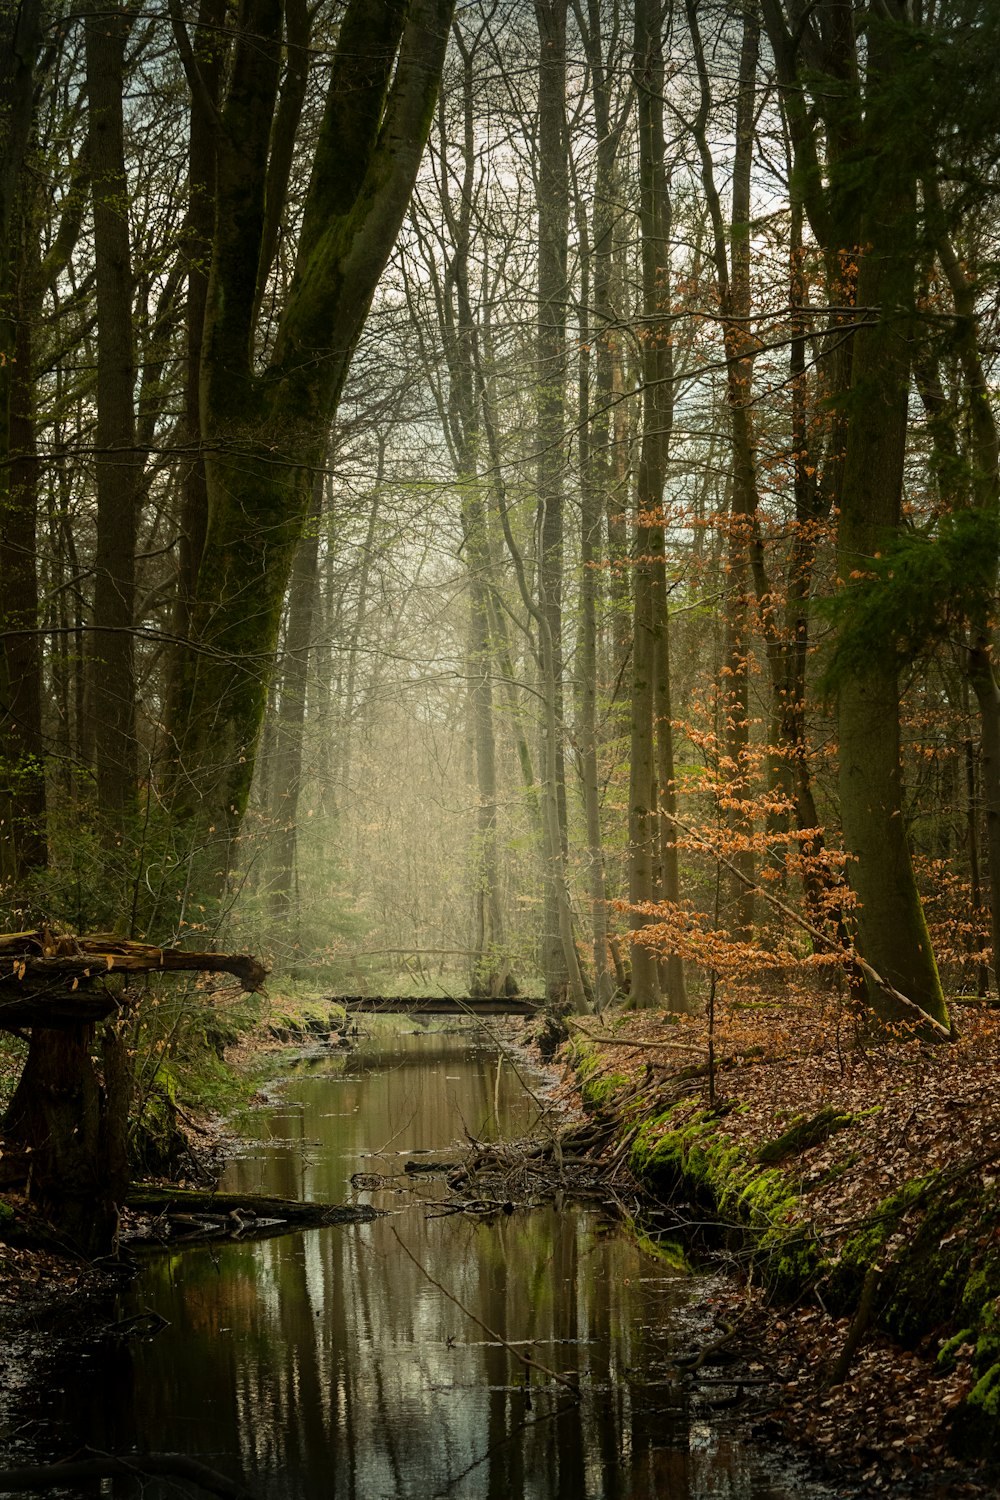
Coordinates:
(187, 1213)
(363, 1005)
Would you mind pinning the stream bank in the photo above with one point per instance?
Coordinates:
(853, 1189)
(433, 1350)
(818, 1160)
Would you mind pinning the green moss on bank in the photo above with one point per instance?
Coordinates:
(804, 1132)
(601, 1091)
(936, 1240)
(677, 1149)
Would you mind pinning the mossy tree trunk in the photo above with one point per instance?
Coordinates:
(265, 432)
(653, 864)
(22, 774)
(892, 930)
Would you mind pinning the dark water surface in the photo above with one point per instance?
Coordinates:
(331, 1363)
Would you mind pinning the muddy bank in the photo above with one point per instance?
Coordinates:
(853, 1189)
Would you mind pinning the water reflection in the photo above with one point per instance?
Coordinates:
(333, 1364)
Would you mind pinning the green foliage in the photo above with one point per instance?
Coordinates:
(180, 1042)
(923, 589)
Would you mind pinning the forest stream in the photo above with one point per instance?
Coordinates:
(335, 1363)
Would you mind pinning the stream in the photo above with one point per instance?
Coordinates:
(334, 1362)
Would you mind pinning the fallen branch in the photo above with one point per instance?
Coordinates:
(97, 1465)
(186, 1212)
(621, 1041)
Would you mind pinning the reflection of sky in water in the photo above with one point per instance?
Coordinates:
(328, 1364)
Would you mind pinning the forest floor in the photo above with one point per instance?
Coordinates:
(919, 1107)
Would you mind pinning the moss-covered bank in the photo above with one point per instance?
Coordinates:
(930, 1251)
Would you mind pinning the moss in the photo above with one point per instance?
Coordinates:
(988, 1337)
(157, 1142)
(976, 1429)
(985, 1394)
(868, 1246)
(936, 1239)
(982, 1284)
(7, 1214)
(299, 1016)
(669, 1252)
(599, 1091)
(947, 1355)
(691, 1153)
(804, 1132)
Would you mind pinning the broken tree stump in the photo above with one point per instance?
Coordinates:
(66, 1126)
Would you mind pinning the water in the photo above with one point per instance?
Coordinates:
(338, 1362)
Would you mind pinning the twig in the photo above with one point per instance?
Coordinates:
(692, 1363)
(859, 1324)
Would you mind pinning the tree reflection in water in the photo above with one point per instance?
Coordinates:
(327, 1364)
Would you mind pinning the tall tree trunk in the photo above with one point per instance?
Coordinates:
(985, 444)
(553, 232)
(490, 969)
(209, 49)
(266, 434)
(461, 419)
(892, 930)
(653, 870)
(984, 684)
(112, 685)
(22, 749)
(290, 727)
(356, 633)
(22, 767)
(733, 273)
(594, 426)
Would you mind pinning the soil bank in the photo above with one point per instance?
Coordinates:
(855, 1189)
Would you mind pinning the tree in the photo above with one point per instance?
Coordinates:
(264, 431)
(868, 215)
(651, 788)
(22, 775)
